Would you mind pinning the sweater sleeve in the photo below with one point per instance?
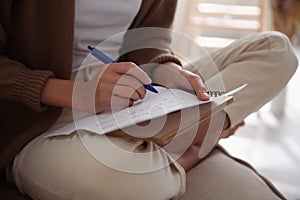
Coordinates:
(18, 83)
(149, 37)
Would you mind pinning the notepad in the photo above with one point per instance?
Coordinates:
(152, 118)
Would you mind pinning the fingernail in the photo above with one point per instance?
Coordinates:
(148, 81)
(206, 94)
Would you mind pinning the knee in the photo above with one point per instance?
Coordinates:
(280, 44)
(277, 41)
(282, 56)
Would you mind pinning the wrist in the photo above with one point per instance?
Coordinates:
(166, 73)
(58, 93)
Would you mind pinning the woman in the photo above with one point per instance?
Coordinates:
(41, 46)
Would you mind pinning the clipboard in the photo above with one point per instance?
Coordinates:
(176, 125)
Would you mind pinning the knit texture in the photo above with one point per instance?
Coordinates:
(28, 86)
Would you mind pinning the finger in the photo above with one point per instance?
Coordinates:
(134, 84)
(115, 78)
(133, 70)
(199, 87)
(242, 123)
(141, 91)
(125, 92)
(227, 133)
(114, 101)
(109, 75)
(120, 101)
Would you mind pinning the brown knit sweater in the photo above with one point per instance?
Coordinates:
(36, 43)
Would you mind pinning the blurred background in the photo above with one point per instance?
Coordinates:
(270, 140)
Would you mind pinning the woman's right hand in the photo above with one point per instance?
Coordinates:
(116, 85)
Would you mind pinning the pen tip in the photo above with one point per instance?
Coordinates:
(90, 48)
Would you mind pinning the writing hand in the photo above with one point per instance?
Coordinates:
(117, 84)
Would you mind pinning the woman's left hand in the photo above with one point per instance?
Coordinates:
(172, 75)
(231, 131)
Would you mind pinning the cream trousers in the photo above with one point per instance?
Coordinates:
(87, 166)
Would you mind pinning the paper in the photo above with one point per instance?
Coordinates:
(153, 106)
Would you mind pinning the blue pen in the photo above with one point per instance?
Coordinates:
(106, 60)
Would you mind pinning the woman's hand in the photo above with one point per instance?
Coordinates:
(231, 131)
(173, 76)
(117, 84)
